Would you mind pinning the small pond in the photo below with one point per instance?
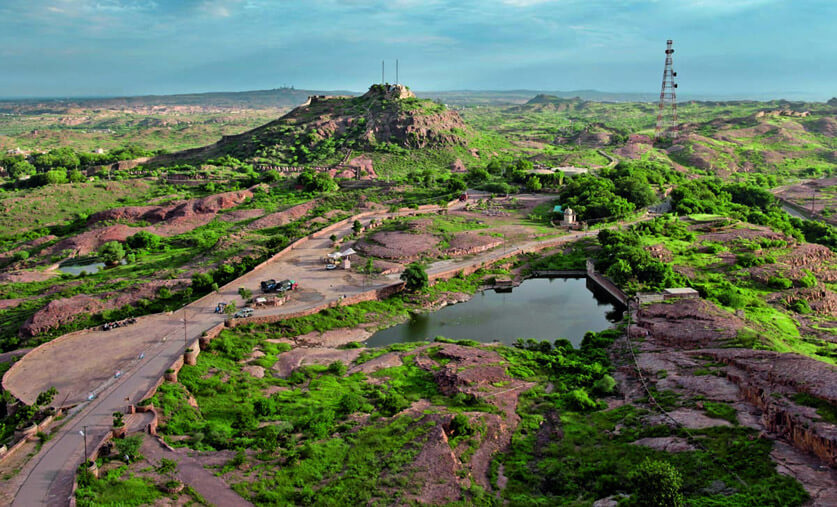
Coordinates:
(540, 308)
(76, 269)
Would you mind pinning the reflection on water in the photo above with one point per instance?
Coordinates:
(540, 308)
(76, 269)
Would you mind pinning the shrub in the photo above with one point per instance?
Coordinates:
(129, 446)
(579, 399)
(657, 483)
(20, 255)
(337, 368)
(779, 282)
(460, 425)
(808, 280)
(349, 403)
(800, 306)
(605, 385)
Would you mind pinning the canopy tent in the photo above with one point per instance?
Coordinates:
(344, 253)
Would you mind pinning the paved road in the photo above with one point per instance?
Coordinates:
(49, 476)
(142, 352)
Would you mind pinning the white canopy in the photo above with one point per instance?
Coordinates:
(340, 255)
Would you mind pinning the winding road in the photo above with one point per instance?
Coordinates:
(120, 366)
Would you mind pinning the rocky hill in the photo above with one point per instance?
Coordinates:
(386, 118)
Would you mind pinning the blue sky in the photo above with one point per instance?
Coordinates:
(129, 47)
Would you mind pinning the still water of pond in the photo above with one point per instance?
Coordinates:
(76, 269)
(540, 308)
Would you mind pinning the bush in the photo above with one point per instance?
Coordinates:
(578, 399)
(128, 446)
(779, 282)
(20, 255)
(808, 280)
(800, 306)
(337, 368)
(657, 483)
(460, 425)
(605, 385)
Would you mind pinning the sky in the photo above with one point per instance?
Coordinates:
(743, 48)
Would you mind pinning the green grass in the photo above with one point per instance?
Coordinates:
(592, 461)
(826, 410)
(720, 411)
(118, 492)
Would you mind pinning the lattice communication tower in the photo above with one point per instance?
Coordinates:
(667, 110)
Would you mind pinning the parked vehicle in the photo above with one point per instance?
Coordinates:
(268, 285)
(274, 286)
(330, 267)
(244, 312)
(286, 285)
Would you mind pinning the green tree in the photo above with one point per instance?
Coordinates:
(477, 175)
(657, 484)
(495, 167)
(20, 168)
(55, 177)
(46, 397)
(357, 226)
(316, 181)
(128, 446)
(144, 239)
(415, 277)
(456, 184)
(76, 176)
(112, 252)
(533, 184)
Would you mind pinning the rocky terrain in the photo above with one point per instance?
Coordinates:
(678, 348)
(325, 126)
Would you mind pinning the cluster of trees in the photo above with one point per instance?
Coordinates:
(617, 191)
(62, 165)
(751, 203)
(624, 260)
(312, 181)
(113, 252)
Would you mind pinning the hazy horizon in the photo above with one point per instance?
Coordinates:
(117, 48)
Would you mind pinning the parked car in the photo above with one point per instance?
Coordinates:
(286, 285)
(331, 266)
(244, 312)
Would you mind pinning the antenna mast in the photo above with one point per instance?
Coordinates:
(396, 71)
(667, 110)
(383, 81)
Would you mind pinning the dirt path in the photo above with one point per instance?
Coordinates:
(191, 472)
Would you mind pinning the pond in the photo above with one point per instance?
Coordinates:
(540, 308)
(76, 269)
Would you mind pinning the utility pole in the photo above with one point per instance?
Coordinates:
(84, 434)
(668, 98)
(396, 71)
(383, 80)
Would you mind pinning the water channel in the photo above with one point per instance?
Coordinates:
(540, 308)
